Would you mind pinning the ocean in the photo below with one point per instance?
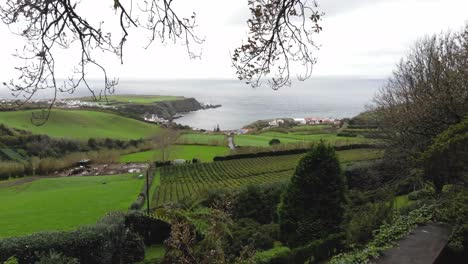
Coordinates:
(242, 104)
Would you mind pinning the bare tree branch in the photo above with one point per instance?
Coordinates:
(280, 33)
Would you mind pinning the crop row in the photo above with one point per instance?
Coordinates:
(178, 182)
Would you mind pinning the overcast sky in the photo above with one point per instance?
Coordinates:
(362, 38)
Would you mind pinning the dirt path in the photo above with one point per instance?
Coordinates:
(231, 144)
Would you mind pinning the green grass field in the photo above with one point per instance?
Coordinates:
(309, 128)
(79, 124)
(202, 139)
(136, 99)
(63, 203)
(187, 152)
(263, 139)
(352, 155)
(178, 182)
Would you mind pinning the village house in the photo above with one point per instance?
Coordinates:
(276, 122)
(153, 118)
(300, 121)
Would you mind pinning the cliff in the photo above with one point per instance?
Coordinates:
(166, 110)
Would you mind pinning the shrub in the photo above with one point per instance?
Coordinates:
(317, 250)
(248, 233)
(9, 169)
(452, 208)
(153, 231)
(445, 160)
(108, 241)
(311, 208)
(420, 194)
(386, 235)
(277, 255)
(257, 202)
(11, 260)
(55, 258)
(364, 219)
(346, 134)
(274, 141)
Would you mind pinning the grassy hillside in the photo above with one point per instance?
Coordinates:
(137, 99)
(187, 152)
(63, 203)
(178, 182)
(79, 124)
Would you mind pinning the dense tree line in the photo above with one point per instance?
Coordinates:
(42, 146)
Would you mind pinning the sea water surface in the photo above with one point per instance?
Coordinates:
(242, 104)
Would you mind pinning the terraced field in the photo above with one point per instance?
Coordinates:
(178, 182)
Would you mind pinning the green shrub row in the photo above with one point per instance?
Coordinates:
(107, 242)
(152, 230)
(141, 198)
(287, 152)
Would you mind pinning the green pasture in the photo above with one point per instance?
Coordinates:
(309, 128)
(136, 99)
(81, 124)
(202, 139)
(352, 155)
(187, 152)
(63, 203)
(263, 139)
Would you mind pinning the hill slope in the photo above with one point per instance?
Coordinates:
(81, 124)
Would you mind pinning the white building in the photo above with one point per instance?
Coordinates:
(300, 121)
(276, 122)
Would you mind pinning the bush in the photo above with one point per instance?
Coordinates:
(257, 202)
(445, 161)
(274, 141)
(108, 241)
(317, 250)
(9, 169)
(11, 260)
(420, 194)
(311, 208)
(277, 255)
(55, 258)
(153, 231)
(346, 134)
(248, 233)
(364, 219)
(452, 208)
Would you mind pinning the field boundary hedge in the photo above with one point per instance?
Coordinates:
(287, 152)
(108, 241)
(141, 198)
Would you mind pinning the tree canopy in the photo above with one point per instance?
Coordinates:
(426, 94)
(312, 205)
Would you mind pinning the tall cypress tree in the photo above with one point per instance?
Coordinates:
(312, 205)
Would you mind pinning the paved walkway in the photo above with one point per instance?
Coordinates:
(422, 246)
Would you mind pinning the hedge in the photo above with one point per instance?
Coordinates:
(107, 242)
(287, 152)
(277, 255)
(318, 250)
(152, 230)
(141, 198)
